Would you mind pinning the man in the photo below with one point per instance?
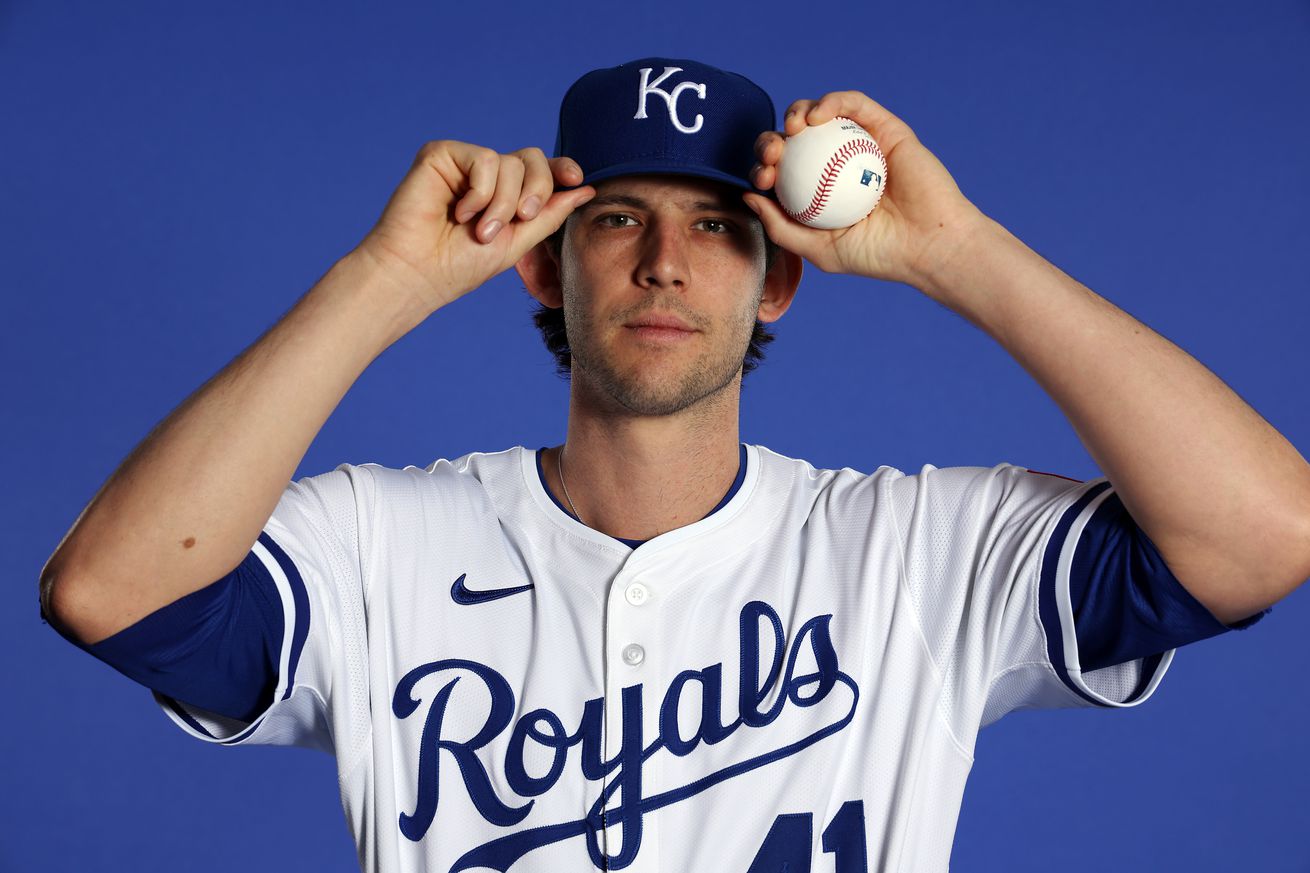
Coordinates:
(656, 647)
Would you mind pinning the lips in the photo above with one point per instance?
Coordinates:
(661, 328)
(663, 322)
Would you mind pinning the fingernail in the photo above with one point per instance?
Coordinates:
(490, 231)
(531, 205)
(464, 216)
(751, 203)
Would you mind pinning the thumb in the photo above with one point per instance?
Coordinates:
(552, 215)
(791, 235)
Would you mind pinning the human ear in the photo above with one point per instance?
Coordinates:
(780, 284)
(539, 270)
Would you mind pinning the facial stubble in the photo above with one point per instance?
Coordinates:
(639, 390)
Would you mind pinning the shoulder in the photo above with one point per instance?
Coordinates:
(803, 476)
(848, 487)
(815, 492)
(1001, 478)
(470, 469)
(477, 477)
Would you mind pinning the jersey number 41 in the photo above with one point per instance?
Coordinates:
(786, 849)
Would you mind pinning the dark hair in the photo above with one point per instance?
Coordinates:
(551, 321)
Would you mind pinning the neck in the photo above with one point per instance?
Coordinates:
(636, 477)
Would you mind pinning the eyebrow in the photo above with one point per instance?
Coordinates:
(616, 199)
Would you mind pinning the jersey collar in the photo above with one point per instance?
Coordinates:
(748, 463)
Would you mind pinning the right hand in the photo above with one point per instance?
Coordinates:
(465, 213)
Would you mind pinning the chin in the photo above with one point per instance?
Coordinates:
(656, 394)
(653, 381)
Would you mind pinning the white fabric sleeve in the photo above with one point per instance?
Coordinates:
(986, 557)
(311, 550)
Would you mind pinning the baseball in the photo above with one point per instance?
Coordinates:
(831, 175)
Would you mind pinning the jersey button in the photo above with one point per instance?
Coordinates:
(637, 594)
(633, 654)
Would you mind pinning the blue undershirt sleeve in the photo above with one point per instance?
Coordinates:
(1126, 602)
(216, 649)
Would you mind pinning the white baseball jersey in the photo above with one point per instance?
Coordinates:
(794, 682)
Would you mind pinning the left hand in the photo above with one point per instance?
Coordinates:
(922, 212)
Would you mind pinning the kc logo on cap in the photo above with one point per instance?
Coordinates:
(664, 115)
(648, 87)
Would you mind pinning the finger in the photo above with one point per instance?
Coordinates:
(538, 182)
(857, 106)
(528, 233)
(480, 166)
(791, 235)
(763, 177)
(794, 121)
(768, 150)
(566, 171)
(505, 201)
(768, 147)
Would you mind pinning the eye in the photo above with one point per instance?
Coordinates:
(716, 225)
(612, 219)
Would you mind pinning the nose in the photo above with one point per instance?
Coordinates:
(664, 262)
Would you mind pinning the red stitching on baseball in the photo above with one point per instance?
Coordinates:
(829, 176)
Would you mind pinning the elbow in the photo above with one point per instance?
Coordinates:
(1238, 579)
(1234, 603)
(1288, 567)
(65, 605)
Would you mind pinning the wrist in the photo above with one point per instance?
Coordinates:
(387, 300)
(960, 265)
(940, 258)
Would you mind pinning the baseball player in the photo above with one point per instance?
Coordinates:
(657, 647)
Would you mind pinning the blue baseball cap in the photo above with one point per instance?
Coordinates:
(664, 115)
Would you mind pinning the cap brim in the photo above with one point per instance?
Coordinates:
(642, 168)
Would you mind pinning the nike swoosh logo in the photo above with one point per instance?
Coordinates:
(464, 596)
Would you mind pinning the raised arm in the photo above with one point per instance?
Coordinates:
(1223, 495)
(187, 504)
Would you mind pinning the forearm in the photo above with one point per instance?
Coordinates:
(187, 504)
(1221, 493)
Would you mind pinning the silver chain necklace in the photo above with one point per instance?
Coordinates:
(560, 464)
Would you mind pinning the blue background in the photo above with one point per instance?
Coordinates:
(173, 178)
